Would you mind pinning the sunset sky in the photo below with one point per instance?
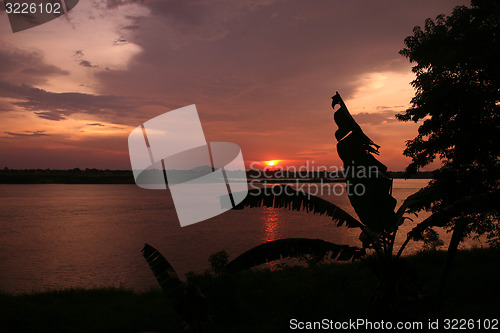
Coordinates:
(261, 74)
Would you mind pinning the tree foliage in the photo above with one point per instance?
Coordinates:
(457, 102)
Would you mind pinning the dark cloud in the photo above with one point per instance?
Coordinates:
(273, 51)
(117, 3)
(58, 106)
(25, 67)
(120, 41)
(95, 124)
(79, 54)
(51, 115)
(189, 20)
(132, 27)
(86, 63)
(27, 134)
(396, 107)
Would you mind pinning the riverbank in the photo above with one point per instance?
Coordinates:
(96, 176)
(259, 301)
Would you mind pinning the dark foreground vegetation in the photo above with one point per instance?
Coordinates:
(260, 300)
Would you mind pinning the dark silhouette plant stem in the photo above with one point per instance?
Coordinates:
(401, 249)
(456, 238)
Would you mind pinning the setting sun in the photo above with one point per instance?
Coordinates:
(271, 163)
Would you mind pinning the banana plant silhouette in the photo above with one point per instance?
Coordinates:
(375, 206)
(378, 223)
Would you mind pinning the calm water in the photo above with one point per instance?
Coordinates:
(60, 236)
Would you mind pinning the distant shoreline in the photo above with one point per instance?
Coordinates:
(96, 176)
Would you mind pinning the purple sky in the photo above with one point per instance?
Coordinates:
(261, 74)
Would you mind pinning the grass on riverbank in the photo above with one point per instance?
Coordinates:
(257, 301)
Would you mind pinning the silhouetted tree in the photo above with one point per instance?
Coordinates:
(457, 99)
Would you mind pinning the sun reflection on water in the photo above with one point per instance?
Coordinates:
(271, 224)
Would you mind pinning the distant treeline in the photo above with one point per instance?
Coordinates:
(72, 176)
(319, 175)
(97, 176)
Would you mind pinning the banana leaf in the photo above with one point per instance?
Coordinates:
(347, 124)
(292, 248)
(186, 299)
(164, 273)
(375, 205)
(415, 202)
(284, 196)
